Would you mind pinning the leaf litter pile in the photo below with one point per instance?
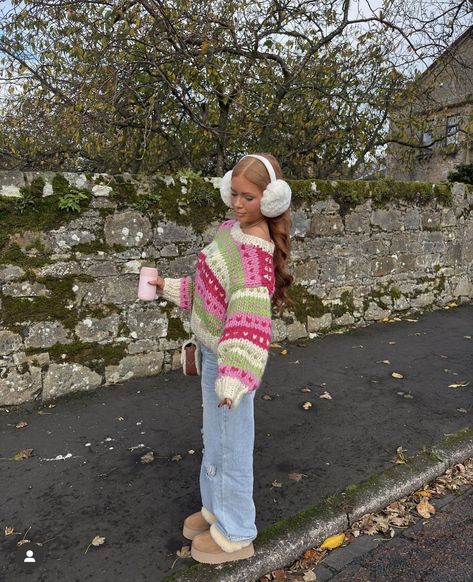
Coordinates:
(399, 514)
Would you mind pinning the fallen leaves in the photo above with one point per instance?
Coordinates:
(307, 405)
(399, 459)
(399, 514)
(97, 541)
(147, 457)
(296, 476)
(19, 456)
(425, 508)
(21, 424)
(397, 375)
(184, 552)
(326, 395)
(333, 542)
(460, 384)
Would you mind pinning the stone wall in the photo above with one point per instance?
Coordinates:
(70, 320)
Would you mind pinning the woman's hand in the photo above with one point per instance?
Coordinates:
(159, 282)
(227, 401)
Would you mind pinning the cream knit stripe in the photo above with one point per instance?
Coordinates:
(227, 387)
(172, 290)
(243, 354)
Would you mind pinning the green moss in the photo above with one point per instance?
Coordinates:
(12, 254)
(197, 206)
(395, 293)
(43, 216)
(376, 297)
(346, 304)
(18, 309)
(60, 184)
(94, 356)
(176, 329)
(123, 193)
(440, 285)
(305, 304)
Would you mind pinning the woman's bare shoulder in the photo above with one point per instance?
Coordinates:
(260, 232)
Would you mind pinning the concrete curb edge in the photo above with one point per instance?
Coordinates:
(282, 543)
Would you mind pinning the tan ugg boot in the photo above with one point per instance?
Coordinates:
(205, 548)
(197, 523)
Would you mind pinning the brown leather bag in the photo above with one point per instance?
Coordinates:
(191, 357)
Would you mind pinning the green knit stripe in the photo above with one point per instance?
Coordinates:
(231, 258)
(231, 354)
(212, 323)
(250, 303)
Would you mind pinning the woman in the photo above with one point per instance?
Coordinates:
(240, 275)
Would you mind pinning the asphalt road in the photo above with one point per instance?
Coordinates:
(102, 489)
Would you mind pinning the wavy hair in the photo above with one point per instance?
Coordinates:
(279, 227)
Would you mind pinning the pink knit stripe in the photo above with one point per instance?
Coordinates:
(249, 380)
(227, 225)
(260, 339)
(184, 295)
(211, 282)
(250, 319)
(211, 295)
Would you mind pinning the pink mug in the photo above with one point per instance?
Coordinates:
(147, 292)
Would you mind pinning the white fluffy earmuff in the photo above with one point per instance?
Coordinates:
(276, 197)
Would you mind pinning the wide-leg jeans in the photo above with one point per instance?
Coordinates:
(226, 475)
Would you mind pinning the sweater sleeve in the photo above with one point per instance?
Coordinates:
(242, 351)
(179, 291)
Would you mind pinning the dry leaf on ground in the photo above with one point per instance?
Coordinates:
(147, 457)
(326, 395)
(459, 385)
(425, 508)
(333, 542)
(97, 541)
(399, 458)
(296, 476)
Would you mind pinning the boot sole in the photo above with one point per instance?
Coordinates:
(206, 558)
(190, 534)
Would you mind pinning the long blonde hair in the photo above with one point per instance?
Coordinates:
(279, 227)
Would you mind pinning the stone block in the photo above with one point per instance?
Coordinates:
(102, 331)
(136, 366)
(18, 387)
(10, 342)
(45, 334)
(62, 379)
(128, 228)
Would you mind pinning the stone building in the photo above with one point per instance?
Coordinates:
(439, 118)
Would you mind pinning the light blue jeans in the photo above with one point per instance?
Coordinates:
(226, 474)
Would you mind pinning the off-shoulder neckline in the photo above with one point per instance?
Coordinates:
(240, 236)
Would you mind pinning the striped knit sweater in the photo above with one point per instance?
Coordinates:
(230, 302)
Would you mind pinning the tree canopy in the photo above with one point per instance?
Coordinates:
(158, 85)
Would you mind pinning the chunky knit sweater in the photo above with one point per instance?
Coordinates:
(230, 302)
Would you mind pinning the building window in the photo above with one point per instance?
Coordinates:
(426, 139)
(451, 129)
